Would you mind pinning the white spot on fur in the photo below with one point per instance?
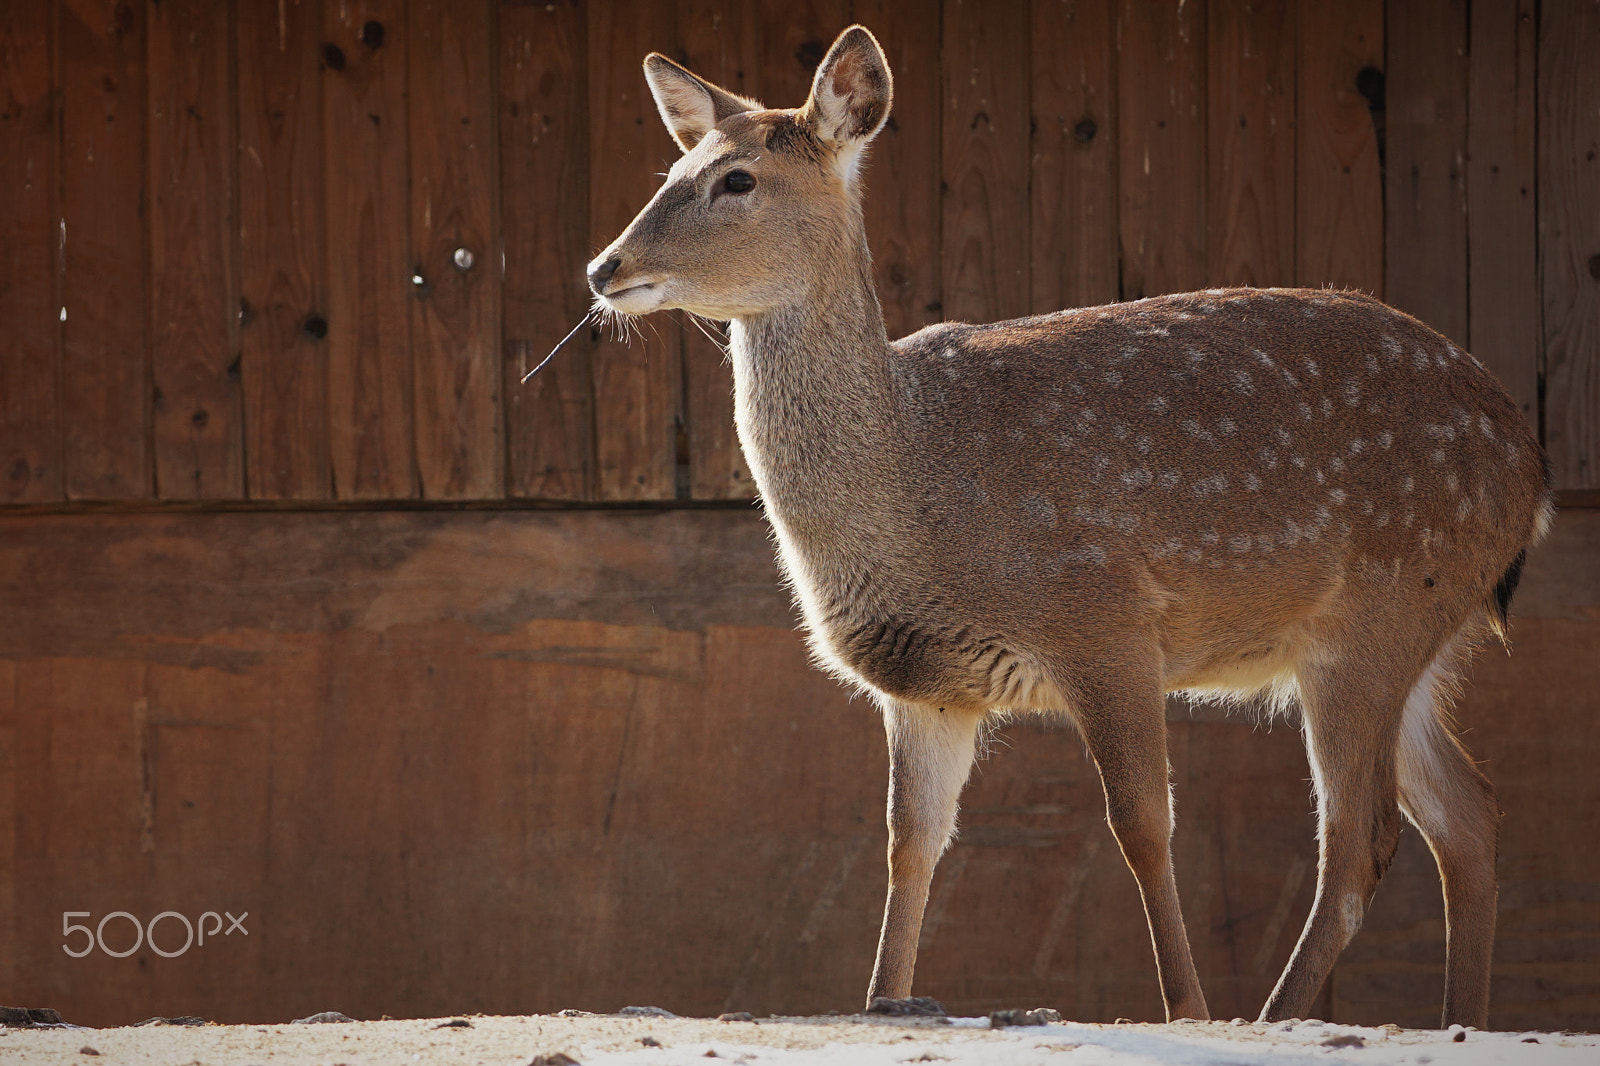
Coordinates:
(1485, 426)
(1282, 435)
(1299, 461)
(1304, 409)
(1352, 393)
(1385, 440)
(1137, 478)
(1196, 430)
(1269, 458)
(1438, 455)
(1311, 367)
(1113, 378)
(1142, 445)
(1251, 482)
(1227, 427)
(1337, 495)
(1327, 407)
(1242, 382)
(1357, 446)
(1158, 404)
(1336, 464)
(1419, 359)
(1170, 479)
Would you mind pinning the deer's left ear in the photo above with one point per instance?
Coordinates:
(850, 96)
(689, 105)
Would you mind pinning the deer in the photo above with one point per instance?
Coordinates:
(1297, 499)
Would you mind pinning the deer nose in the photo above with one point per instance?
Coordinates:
(600, 275)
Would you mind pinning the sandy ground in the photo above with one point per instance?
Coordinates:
(830, 1041)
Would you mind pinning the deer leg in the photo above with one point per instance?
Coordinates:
(1350, 733)
(930, 754)
(1129, 745)
(1453, 806)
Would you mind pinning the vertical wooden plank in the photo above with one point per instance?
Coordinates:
(901, 175)
(282, 256)
(10, 868)
(194, 299)
(1250, 99)
(105, 346)
(370, 286)
(1338, 164)
(1503, 266)
(455, 240)
(1073, 234)
(639, 386)
(984, 159)
(1569, 237)
(793, 36)
(544, 197)
(1161, 114)
(1425, 240)
(30, 356)
(724, 45)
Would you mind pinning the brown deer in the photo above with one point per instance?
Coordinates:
(1298, 494)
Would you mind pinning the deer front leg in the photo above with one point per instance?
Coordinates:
(930, 755)
(1127, 737)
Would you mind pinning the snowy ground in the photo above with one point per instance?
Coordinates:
(609, 1040)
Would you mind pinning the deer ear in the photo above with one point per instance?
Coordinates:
(690, 106)
(851, 95)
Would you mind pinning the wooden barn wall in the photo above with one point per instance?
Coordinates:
(304, 250)
(281, 635)
(525, 761)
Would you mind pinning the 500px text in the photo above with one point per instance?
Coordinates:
(143, 933)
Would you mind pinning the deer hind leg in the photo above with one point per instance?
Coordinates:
(1127, 737)
(1453, 805)
(1351, 717)
(930, 754)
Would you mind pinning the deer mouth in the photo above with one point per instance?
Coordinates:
(635, 299)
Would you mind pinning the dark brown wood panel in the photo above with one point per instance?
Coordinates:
(105, 294)
(1250, 150)
(1073, 227)
(1569, 238)
(901, 175)
(1338, 145)
(371, 282)
(1161, 156)
(1503, 271)
(30, 355)
(455, 241)
(984, 160)
(723, 45)
(638, 381)
(1425, 183)
(283, 326)
(198, 413)
(544, 219)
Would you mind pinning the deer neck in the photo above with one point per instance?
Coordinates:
(815, 406)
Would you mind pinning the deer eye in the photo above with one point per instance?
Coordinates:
(738, 181)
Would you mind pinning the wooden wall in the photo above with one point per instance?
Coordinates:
(304, 251)
(287, 628)
(524, 761)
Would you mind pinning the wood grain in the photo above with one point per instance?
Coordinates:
(30, 356)
(901, 176)
(638, 386)
(455, 242)
(370, 287)
(1250, 151)
(198, 412)
(724, 45)
(1502, 230)
(1161, 111)
(1073, 230)
(544, 216)
(984, 160)
(1569, 238)
(1339, 184)
(282, 253)
(105, 258)
(1425, 228)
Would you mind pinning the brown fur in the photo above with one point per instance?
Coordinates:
(1298, 493)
